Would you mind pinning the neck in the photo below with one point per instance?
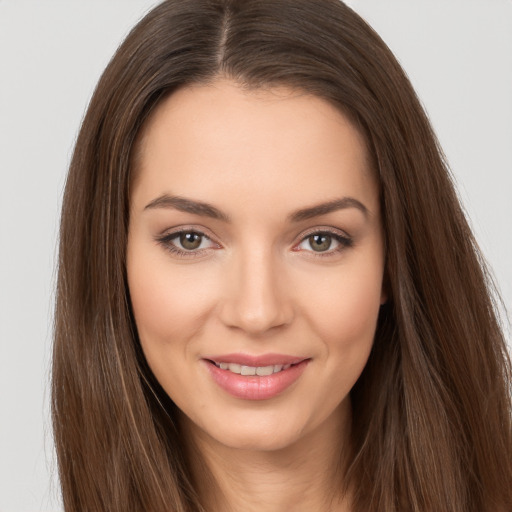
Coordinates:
(305, 476)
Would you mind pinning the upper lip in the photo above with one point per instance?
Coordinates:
(256, 360)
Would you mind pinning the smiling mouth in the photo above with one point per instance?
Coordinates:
(261, 371)
(260, 378)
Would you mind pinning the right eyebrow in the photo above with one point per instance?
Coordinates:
(188, 206)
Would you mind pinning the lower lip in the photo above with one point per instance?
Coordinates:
(254, 387)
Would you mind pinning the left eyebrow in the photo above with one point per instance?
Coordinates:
(328, 207)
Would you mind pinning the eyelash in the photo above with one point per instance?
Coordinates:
(344, 242)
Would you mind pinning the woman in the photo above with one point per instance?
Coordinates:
(268, 294)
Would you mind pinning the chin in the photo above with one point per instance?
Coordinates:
(248, 431)
(258, 440)
(267, 430)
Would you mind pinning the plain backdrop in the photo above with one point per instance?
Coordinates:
(458, 54)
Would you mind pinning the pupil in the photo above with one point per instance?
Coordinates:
(190, 241)
(320, 243)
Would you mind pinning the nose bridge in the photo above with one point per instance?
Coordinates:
(257, 299)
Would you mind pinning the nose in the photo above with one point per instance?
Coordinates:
(257, 297)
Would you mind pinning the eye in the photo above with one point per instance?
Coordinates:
(324, 242)
(186, 243)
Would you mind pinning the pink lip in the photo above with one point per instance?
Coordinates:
(254, 387)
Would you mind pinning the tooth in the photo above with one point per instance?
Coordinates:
(248, 370)
(235, 368)
(252, 370)
(264, 370)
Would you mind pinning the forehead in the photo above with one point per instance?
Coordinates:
(265, 145)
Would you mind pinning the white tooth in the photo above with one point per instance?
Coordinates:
(235, 368)
(248, 370)
(278, 368)
(286, 366)
(223, 366)
(264, 370)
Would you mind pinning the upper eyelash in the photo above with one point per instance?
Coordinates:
(344, 240)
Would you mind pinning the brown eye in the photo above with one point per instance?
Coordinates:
(190, 241)
(187, 243)
(320, 242)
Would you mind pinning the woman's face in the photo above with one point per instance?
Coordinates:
(255, 261)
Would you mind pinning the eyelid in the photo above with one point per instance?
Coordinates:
(187, 228)
(324, 229)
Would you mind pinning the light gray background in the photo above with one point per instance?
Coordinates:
(458, 54)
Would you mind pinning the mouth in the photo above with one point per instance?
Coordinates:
(260, 371)
(255, 377)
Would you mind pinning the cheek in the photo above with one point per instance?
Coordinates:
(343, 307)
(169, 302)
(352, 312)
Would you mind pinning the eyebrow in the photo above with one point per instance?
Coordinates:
(328, 207)
(188, 206)
(207, 210)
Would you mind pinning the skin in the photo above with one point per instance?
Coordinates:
(256, 285)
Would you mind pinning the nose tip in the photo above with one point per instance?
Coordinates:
(258, 300)
(256, 319)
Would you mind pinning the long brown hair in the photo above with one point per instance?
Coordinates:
(432, 410)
